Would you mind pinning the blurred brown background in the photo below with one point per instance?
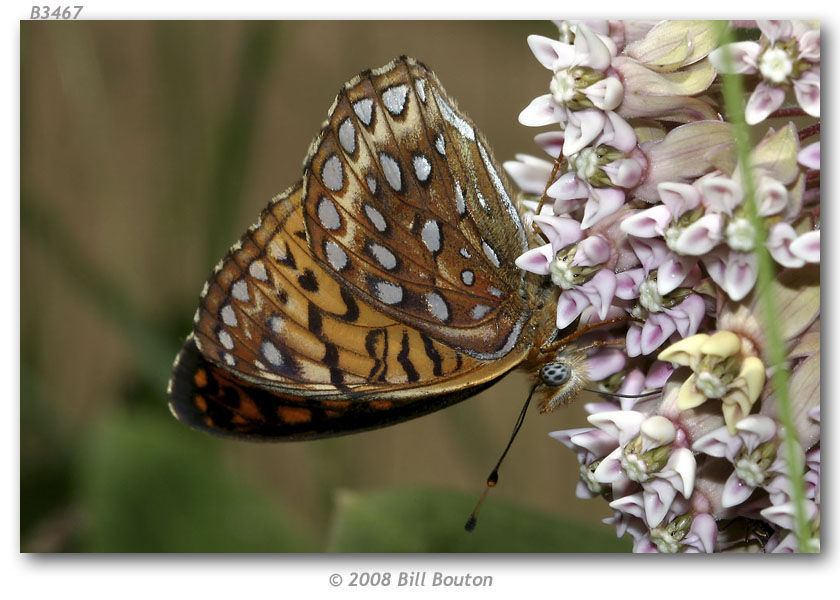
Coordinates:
(146, 149)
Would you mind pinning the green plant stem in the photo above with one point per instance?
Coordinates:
(733, 97)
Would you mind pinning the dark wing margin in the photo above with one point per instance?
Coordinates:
(209, 398)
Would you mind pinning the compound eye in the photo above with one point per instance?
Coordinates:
(555, 373)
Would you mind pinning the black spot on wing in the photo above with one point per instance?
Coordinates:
(371, 339)
(308, 281)
(352, 313)
(433, 354)
(331, 361)
(405, 361)
(315, 322)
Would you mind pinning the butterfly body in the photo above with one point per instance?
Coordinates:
(380, 288)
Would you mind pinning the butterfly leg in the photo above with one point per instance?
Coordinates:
(557, 344)
(557, 162)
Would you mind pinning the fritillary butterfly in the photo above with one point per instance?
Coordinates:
(379, 288)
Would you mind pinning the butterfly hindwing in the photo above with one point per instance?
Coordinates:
(208, 397)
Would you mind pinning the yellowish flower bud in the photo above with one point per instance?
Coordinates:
(686, 352)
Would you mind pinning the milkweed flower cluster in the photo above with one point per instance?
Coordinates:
(646, 209)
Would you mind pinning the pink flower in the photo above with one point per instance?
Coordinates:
(689, 533)
(590, 445)
(573, 263)
(735, 272)
(583, 91)
(651, 453)
(752, 451)
(788, 57)
(685, 229)
(664, 308)
(599, 174)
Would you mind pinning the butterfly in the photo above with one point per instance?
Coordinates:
(380, 287)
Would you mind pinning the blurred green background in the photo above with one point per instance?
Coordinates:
(146, 149)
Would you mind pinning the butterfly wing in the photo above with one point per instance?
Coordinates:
(380, 288)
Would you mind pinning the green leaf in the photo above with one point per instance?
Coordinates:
(149, 485)
(428, 520)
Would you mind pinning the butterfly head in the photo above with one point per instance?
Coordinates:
(555, 373)
(561, 378)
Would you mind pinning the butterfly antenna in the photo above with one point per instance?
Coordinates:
(493, 478)
(643, 395)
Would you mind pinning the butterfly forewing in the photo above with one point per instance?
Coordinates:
(380, 288)
(427, 234)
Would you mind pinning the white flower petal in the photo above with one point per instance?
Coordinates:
(807, 92)
(592, 50)
(597, 442)
(779, 239)
(763, 101)
(609, 469)
(682, 461)
(569, 306)
(704, 527)
(678, 197)
(775, 30)
(741, 274)
(542, 111)
(568, 186)
(744, 57)
(659, 429)
(633, 341)
(809, 156)
(647, 223)
(551, 142)
(582, 127)
(602, 203)
(622, 425)
(701, 236)
(657, 501)
(771, 197)
(807, 247)
(605, 363)
(627, 283)
(530, 174)
(592, 251)
(722, 194)
(673, 272)
(632, 505)
(617, 133)
(688, 314)
(735, 491)
(552, 54)
(719, 443)
(656, 330)
(760, 426)
(560, 231)
(809, 45)
(600, 290)
(536, 260)
(783, 514)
